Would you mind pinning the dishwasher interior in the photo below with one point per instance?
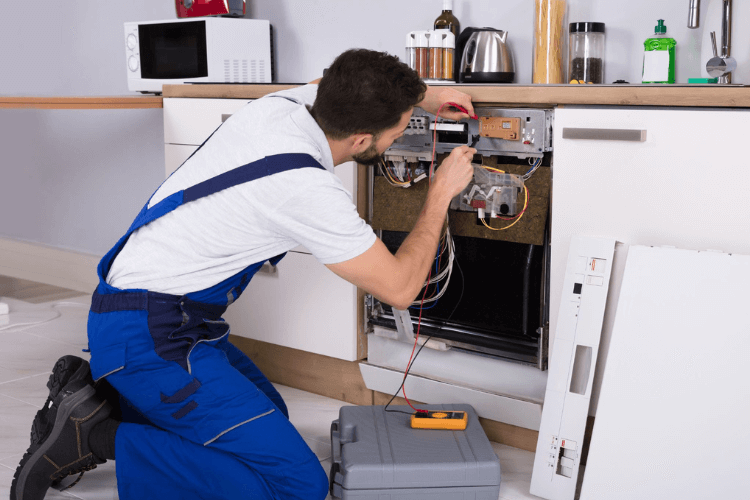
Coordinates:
(490, 281)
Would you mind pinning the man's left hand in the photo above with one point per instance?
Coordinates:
(435, 97)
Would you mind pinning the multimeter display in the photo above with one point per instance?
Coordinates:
(450, 420)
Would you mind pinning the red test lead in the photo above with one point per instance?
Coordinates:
(462, 109)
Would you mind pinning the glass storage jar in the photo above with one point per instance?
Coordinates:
(436, 38)
(449, 49)
(586, 53)
(418, 53)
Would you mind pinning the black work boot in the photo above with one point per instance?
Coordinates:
(62, 439)
(68, 370)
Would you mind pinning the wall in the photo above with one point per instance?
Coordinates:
(311, 33)
(75, 179)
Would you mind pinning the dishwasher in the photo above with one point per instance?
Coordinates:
(489, 292)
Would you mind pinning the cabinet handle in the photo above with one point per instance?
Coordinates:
(225, 117)
(604, 134)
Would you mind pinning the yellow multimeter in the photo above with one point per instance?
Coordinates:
(449, 420)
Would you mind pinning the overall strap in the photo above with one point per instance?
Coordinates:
(261, 168)
(258, 169)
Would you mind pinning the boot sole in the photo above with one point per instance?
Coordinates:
(64, 411)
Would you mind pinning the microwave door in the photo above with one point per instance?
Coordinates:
(173, 51)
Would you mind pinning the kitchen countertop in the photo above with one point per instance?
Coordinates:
(82, 102)
(713, 96)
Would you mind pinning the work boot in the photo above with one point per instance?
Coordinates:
(60, 437)
(68, 370)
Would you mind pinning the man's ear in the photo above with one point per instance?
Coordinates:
(360, 142)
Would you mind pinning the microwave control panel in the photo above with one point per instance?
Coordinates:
(524, 133)
(132, 49)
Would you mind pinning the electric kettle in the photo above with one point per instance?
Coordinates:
(486, 57)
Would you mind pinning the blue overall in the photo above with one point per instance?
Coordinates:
(216, 428)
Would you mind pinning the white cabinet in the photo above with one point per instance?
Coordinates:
(175, 155)
(302, 305)
(686, 185)
(189, 122)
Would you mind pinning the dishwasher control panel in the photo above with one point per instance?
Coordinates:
(524, 133)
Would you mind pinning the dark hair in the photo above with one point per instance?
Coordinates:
(365, 92)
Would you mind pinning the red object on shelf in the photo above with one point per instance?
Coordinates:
(202, 8)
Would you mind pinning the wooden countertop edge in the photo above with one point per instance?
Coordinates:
(537, 95)
(82, 102)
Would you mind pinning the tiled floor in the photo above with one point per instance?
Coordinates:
(28, 351)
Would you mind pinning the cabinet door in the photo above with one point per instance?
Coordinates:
(175, 155)
(302, 305)
(191, 121)
(686, 186)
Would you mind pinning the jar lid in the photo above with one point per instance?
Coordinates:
(438, 38)
(449, 40)
(587, 27)
(416, 39)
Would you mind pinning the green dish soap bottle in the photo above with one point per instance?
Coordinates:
(659, 58)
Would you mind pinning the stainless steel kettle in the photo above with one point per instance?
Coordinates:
(486, 57)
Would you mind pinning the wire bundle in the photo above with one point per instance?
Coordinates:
(535, 166)
(442, 271)
(398, 177)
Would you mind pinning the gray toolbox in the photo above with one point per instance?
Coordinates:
(378, 456)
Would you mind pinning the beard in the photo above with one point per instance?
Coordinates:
(369, 156)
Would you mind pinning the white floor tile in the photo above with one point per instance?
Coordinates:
(10, 374)
(16, 417)
(29, 355)
(32, 390)
(311, 414)
(515, 468)
(321, 449)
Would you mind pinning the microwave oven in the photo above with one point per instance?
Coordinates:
(208, 50)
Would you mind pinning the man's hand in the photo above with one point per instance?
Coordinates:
(397, 279)
(437, 96)
(455, 172)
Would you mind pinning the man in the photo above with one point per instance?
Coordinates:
(262, 184)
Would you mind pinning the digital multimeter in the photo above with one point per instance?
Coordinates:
(450, 420)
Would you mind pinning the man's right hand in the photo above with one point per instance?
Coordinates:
(455, 172)
(397, 279)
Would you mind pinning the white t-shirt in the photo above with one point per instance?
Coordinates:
(210, 239)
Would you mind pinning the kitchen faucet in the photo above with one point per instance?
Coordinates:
(722, 64)
(694, 16)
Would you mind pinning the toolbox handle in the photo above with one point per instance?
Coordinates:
(335, 455)
(335, 442)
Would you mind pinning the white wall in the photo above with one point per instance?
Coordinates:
(75, 179)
